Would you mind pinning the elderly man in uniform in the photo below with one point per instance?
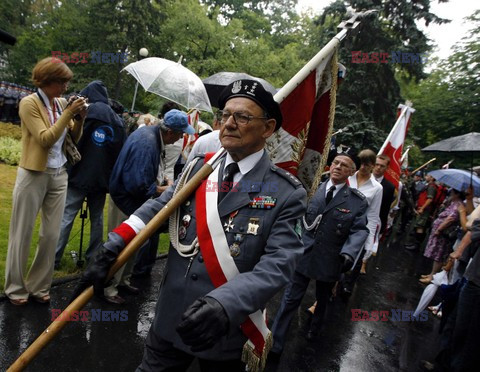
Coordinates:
(335, 231)
(226, 260)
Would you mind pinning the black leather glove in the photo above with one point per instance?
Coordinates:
(347, 262)
(203, 323)
(96, 273)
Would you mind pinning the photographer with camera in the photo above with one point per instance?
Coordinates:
(102, 140)
(41, 184)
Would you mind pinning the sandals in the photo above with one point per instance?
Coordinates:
(43, 299)
(18, 301)
(426, 280)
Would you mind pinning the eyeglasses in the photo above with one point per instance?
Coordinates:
(340, 164)
(239, 117)
(65, 83)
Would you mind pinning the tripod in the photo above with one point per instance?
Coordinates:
(83, 216)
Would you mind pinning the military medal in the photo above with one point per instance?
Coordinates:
(234, 249)
(229, 224)
(235, 246)
(262, 202)
(182, 231)
(253, 226)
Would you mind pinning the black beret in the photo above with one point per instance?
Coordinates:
(352, 154)
(255, 91)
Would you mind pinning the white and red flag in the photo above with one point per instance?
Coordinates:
(393, 145)
(298, 145)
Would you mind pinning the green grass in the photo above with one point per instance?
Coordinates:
(7, 181)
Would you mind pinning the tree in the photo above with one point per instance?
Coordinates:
(447, 101)
(371, 90)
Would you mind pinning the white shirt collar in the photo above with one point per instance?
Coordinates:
(338, 187)
(246, 164)
(44, 97)
(49, 108)
(379, 179)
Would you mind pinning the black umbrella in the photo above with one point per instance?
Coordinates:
(217, 82)
(466, 143)
(469, 142)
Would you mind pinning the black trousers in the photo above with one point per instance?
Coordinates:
(161, 356)
(291, 300)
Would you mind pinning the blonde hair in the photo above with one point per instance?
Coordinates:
(50, 70)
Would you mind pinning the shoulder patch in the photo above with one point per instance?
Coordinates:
(358, 193)
(287, 175)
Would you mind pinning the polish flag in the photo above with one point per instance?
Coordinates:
(298, 145)
(393, 145)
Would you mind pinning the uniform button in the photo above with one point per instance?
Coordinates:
(200, 258)
(194, 276)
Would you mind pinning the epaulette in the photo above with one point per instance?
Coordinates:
(358, 193)
(287, 175)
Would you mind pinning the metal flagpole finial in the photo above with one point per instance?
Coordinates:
(355, 19)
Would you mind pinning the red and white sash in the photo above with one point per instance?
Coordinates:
(221, 268)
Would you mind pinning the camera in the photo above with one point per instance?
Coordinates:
(73, 99)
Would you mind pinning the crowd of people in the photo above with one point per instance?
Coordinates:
(230, 252)
(10, 96)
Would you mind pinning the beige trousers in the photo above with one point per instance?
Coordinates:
(34, 192)
(122, 276)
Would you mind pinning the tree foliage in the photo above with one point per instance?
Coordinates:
(447, 101)
(371, 90)
(265, 38)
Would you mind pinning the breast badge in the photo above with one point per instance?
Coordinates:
(262, 202)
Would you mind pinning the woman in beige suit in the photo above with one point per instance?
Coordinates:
(41, 183)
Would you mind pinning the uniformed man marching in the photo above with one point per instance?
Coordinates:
(234, 244)
(335, 232)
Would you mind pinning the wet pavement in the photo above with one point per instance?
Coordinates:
(343, 344)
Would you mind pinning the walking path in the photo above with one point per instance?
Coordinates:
(343, 345)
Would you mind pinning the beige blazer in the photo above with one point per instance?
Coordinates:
(38, 136)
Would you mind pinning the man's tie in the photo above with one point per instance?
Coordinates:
(329, 196)
(227, 180)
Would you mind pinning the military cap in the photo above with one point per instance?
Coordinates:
(255, 91)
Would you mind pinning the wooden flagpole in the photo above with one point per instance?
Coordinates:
(162, 216)
(424, 165)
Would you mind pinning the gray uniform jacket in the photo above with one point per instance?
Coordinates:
(266, 260)
(342, 229)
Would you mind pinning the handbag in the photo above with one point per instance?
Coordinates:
(450, 232)
(71, 151)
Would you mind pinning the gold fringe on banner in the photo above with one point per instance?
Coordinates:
(255, 362)
(331, 118)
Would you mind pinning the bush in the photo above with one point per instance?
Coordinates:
(10, 150)
(10, 130)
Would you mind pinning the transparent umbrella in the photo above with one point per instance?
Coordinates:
(172, 81)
